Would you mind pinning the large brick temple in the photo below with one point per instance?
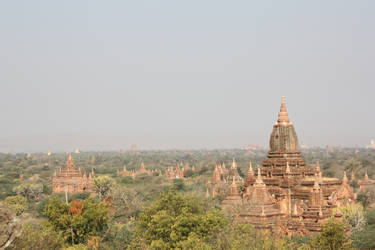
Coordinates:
(283, 195)
(71, 180)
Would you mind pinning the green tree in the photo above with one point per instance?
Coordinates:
(364, 239)
(332, 237)
(79, 220)
(353, 216)
(245, 236)
(31, 191)
(173, 221)
(34, 238)
(103, 185)
(10, 228)
(17, 203)
(364, 199)
(127, 203)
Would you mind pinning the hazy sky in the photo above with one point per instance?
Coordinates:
(184, 74)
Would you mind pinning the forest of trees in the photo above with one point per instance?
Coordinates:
(153, 212)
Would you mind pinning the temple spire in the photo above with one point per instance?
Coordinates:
(70, 162)
(283, 114)
(234, 164)
(259, 180)
(316, 183)
(251, 171)
(317, 167)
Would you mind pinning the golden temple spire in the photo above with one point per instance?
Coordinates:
(283, 114)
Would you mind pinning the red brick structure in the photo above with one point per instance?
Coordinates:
(177, 173)
(132, 173)
(286, 196)
(71, 180)
(222, 179)
(365, 183)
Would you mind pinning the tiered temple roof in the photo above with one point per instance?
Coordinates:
(221, 179)
(71, 180)
(286, 196)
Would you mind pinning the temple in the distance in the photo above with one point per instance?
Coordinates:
(283, 195)
(71, 180)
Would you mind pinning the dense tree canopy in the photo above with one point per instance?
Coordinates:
(174, 220)
(77, 221)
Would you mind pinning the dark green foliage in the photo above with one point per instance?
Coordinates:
(364, 199)
(300, 240)
(332, 237)
(178, 185)
(91, 220)
(189, 173)
(47, 189)
(35, 238)
(173, 220)
(78, 196)
(127, 180)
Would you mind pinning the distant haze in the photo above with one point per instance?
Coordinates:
(102, 75)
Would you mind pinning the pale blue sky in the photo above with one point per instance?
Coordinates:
(184, 74)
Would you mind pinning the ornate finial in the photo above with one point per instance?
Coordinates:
(366, 176)
(345, 178)
(251, 171)
(283, 114)
(287, 168)
(234, 164)
(259, 180)
(317, 166)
